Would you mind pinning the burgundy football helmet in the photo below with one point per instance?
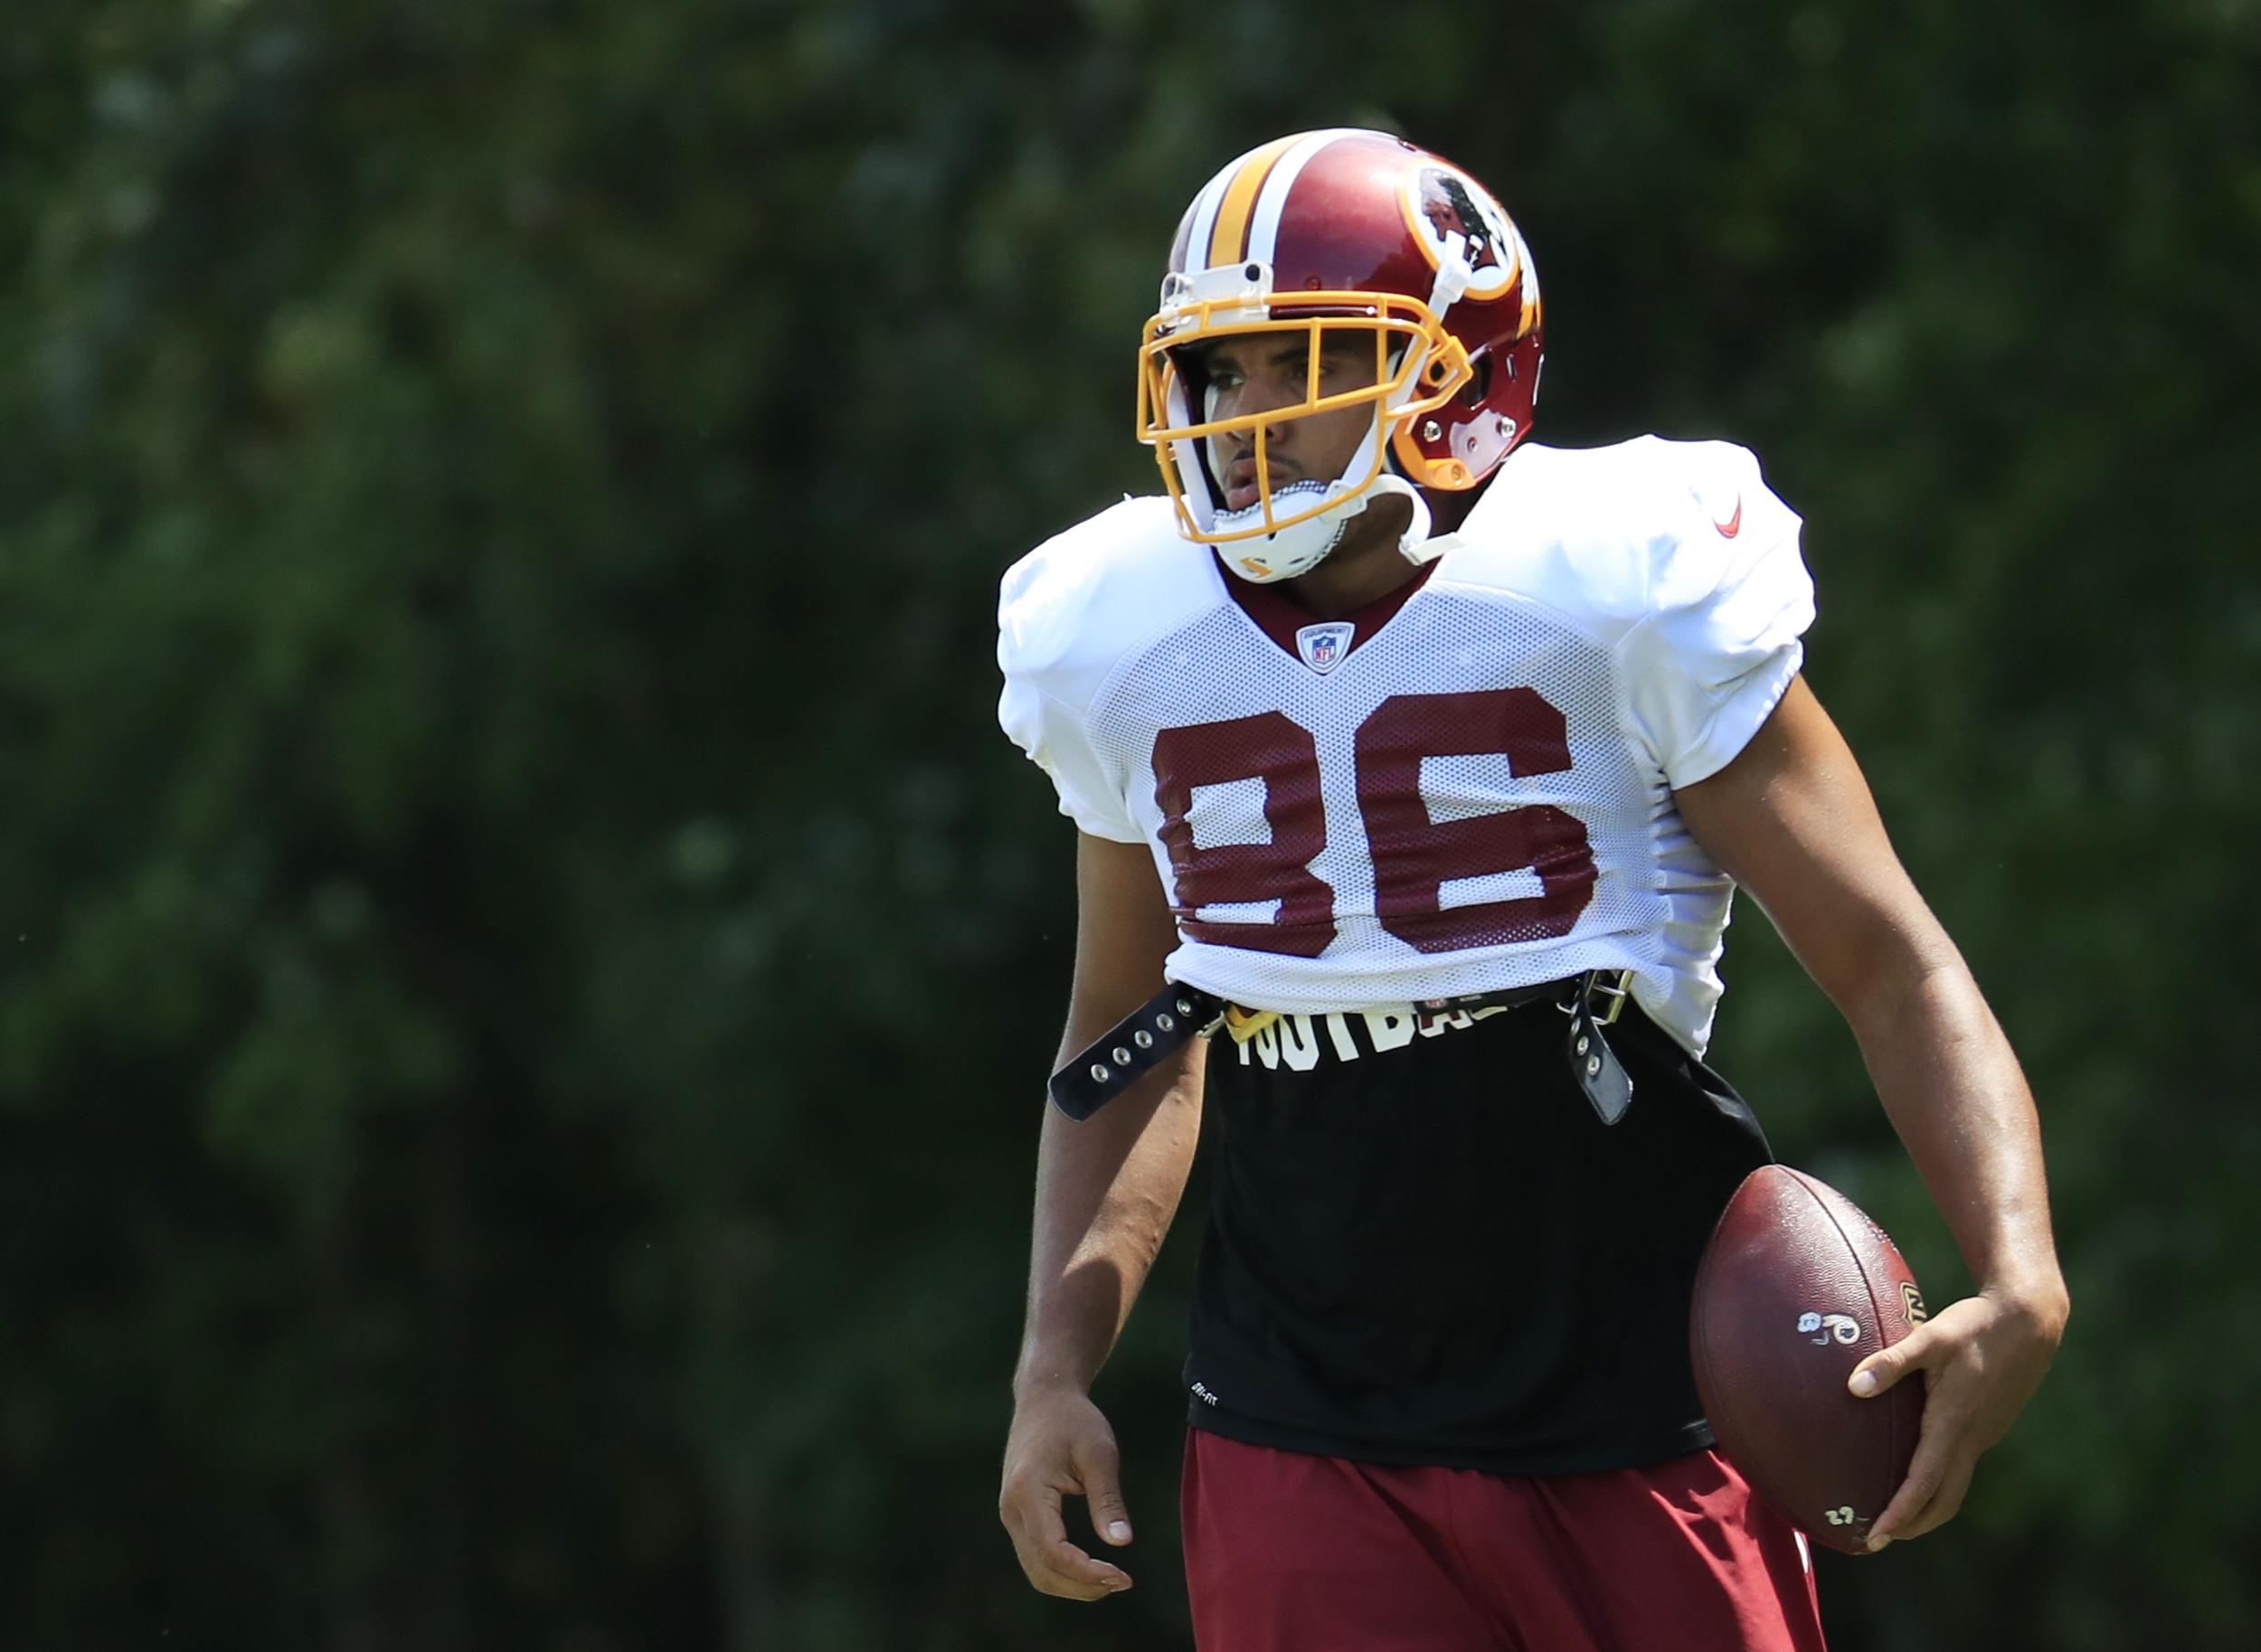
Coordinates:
(1328, 233)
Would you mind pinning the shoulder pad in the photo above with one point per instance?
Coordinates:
(1612, 535)
(1071, 609)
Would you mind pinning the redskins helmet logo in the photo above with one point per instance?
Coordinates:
(1442, 202)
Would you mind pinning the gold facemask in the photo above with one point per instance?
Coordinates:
(1430, 365)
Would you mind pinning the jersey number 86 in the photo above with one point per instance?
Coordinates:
(1414, 856)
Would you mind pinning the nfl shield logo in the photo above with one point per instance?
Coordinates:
(1323, 647)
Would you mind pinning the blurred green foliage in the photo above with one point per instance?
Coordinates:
(528, 967)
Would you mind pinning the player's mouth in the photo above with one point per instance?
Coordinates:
(1240, 481)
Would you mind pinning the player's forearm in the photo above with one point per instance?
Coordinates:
(1106, 1191)
(1953, 1089)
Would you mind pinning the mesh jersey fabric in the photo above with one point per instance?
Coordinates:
(1478, 793)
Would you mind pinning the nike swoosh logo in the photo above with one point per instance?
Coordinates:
(1734, 524)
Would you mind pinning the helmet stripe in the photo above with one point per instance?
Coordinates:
(1264, 232)
(1204, 219)
(1228, 242)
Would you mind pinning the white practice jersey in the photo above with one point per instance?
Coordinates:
(1466, 786)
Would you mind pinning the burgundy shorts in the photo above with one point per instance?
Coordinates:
(1290, 1552)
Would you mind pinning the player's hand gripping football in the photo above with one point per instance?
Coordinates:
(1981, 1358)
(1062, 1447)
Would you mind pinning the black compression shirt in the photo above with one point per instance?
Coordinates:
(1424, 1246)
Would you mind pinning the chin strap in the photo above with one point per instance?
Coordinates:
(1298, 550)
(1454, 275)
(1414, 542)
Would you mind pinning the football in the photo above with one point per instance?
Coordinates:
(1796, 1288)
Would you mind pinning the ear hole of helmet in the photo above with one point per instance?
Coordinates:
(1478, 385)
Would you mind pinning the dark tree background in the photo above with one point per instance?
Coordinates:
(528, 966)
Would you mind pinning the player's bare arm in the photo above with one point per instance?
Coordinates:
(1792, 821)
(1106, 1190)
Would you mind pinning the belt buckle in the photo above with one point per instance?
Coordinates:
(1614, 984)
(1244, 1024)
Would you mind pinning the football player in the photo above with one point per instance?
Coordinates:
(1424, 761)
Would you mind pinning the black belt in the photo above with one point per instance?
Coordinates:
(1177, 1015)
